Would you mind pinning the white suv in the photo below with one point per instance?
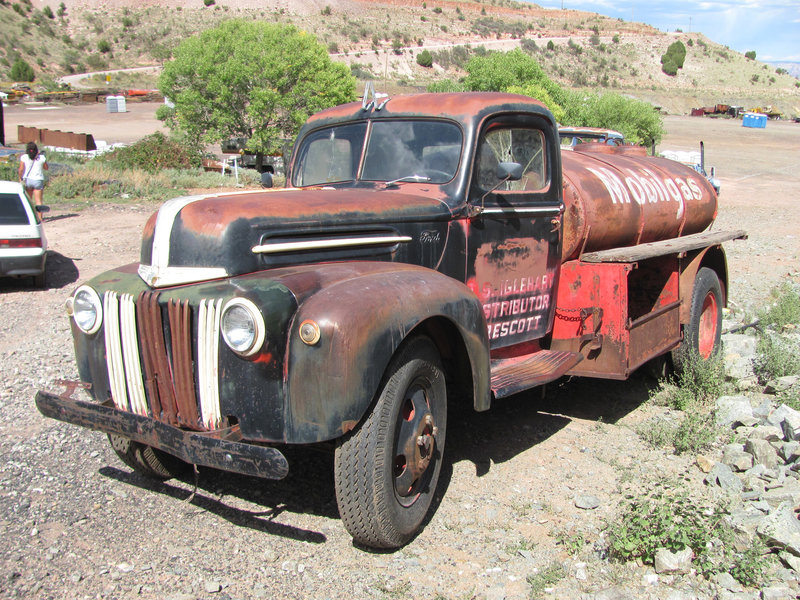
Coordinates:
(23, 245)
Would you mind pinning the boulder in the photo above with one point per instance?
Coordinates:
(739, 351)
(763, 452)
(732, 410)
(667, 561)
(781, 529)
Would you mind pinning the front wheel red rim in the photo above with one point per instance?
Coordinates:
(708, 326)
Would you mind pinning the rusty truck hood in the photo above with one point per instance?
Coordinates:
(198, 238)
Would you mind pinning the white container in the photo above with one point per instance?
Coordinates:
(111, 104)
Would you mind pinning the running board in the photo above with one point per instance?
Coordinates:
(512, 375)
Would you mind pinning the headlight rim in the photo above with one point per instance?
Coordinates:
(96, 302)
(258, 321)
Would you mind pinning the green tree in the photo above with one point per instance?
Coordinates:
(638, 121)
(678, 53)
(668, 65)
(22, 71)
(272, 78)
(424, 59)
(517, 71)
(751, 54)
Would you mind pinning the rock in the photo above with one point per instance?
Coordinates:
(789, 451)
(739, 349)
(722, 476)
(781, 384)
(777, 416)
(667, 561)
(736, 458)
(790, 560)
(730, 410)
(727, 582)
(781, 529)
(497, 592)
(212, 587)
(770, 433)
(744, 525)
(763, 453)
(587, 502)
(761, 412)
(777, 593)
(789, 492)
(791, 426)
(705, 463)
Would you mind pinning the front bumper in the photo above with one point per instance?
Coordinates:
(207, 449)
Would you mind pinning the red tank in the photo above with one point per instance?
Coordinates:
(619, 196)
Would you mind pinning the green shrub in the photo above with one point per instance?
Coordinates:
(21, 71)
(48, 12)
(698, 383)
(784, 311)
(775, 357)
(424, 59)
(692, 434)
(667, 516)
(668, 66)
(153, 153)
(678, 53)
(750, 54)
(104, 46)
(545, 578)
(446, 85)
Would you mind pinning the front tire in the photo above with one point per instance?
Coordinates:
(386, 470)
(148, 461)
(702, 334)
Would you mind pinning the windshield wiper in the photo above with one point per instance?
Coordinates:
(410, 179)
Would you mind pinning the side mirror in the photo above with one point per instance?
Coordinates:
(509, 171)
(42, 209)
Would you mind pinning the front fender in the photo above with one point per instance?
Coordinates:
(363, 319)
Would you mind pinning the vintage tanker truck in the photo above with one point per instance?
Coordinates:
(428, 248)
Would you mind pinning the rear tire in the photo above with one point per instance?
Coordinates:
(702, 334)
(148, 461)
(386, 470)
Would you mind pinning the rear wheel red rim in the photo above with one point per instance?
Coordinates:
(707, 328)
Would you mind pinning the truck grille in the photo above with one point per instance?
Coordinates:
(151, 364)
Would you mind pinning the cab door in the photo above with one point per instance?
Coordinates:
(514, 231)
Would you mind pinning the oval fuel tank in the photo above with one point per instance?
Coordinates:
(619, 196)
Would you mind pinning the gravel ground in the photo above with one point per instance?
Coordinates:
(77, 523)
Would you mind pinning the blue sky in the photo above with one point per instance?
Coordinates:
(770, 27)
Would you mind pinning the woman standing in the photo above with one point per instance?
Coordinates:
(32, 166)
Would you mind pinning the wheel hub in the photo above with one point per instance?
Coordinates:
(416, 445)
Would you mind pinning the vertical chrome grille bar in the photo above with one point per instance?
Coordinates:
(130, 354)
(114, 363)
(208, 320)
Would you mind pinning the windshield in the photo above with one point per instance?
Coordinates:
(396, 150)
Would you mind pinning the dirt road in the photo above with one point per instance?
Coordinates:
(76, 523)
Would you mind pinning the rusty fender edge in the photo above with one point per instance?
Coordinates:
(191, 447)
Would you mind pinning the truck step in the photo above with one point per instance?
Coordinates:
(512, 375)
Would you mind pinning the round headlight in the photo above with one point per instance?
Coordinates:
(242, 327)
(87, 310)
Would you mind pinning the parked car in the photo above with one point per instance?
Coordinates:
(23, 245)
(572, 136)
